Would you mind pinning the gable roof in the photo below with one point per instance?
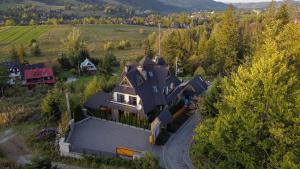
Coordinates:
(148, 80)
(30, 67)
(38, 73)
(11, 64)
(89, 64)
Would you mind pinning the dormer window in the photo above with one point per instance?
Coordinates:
(155, 90)
(151, 74)
(140, 80)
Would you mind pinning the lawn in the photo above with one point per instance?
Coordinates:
(50, 38)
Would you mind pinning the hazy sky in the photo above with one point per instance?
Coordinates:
(229, 1)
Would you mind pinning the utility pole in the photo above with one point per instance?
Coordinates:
(159, 39)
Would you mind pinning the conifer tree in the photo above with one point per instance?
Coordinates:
(258, 121)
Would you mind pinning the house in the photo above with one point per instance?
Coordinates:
(30, 67)
(14, 69)
(88, 66)
(37, 74)
(145, 91)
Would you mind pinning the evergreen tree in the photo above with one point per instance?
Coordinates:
(283, 16)
(52, 104)
(258, 121)
(227, 39)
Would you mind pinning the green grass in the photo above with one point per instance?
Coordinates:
(50, 38)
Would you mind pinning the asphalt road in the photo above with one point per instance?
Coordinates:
(176, 150)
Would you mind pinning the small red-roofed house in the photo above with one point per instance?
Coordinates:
(39, 76)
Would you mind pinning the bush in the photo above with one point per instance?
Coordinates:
(147, 162)
(40, 163)
(47, 134)
(124, 44)
(65, 63)
(108, 46)
(63, 126)
(6, 164)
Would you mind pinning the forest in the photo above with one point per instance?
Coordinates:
(250, 114)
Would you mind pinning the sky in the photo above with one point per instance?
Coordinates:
(233, 1)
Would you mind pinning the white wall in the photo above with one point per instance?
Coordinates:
(126, 97)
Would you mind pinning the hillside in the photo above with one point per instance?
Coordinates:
(260, 5)
(162, 6)
(196, 4)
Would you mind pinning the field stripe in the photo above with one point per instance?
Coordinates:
(13, 33)
(20, 35)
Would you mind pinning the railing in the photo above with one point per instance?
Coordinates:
(124, 103)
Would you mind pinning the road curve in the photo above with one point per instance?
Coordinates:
(176, 150)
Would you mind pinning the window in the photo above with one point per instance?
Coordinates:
(155, 89)
(151, 74)
(132, 100)
(120, 98)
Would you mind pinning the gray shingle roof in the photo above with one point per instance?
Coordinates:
(98, 100)
(144, 78)
(165, 117)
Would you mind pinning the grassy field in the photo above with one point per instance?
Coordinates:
(50, 38)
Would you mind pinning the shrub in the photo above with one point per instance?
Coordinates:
(40, 163)
(124, 44)
(147, 162)
(108, 46)
(47, 134)
(63, 126)
(141, 31)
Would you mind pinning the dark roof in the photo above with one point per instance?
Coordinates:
(154, 78)
(198, 84)
(165, 117)
(101, 99)
(11, 64)
(148, 80)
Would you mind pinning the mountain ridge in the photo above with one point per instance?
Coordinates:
(162, 6)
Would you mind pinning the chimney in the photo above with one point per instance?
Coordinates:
(143, 72)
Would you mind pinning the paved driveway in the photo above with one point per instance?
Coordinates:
(176, 151)
(104, 136)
